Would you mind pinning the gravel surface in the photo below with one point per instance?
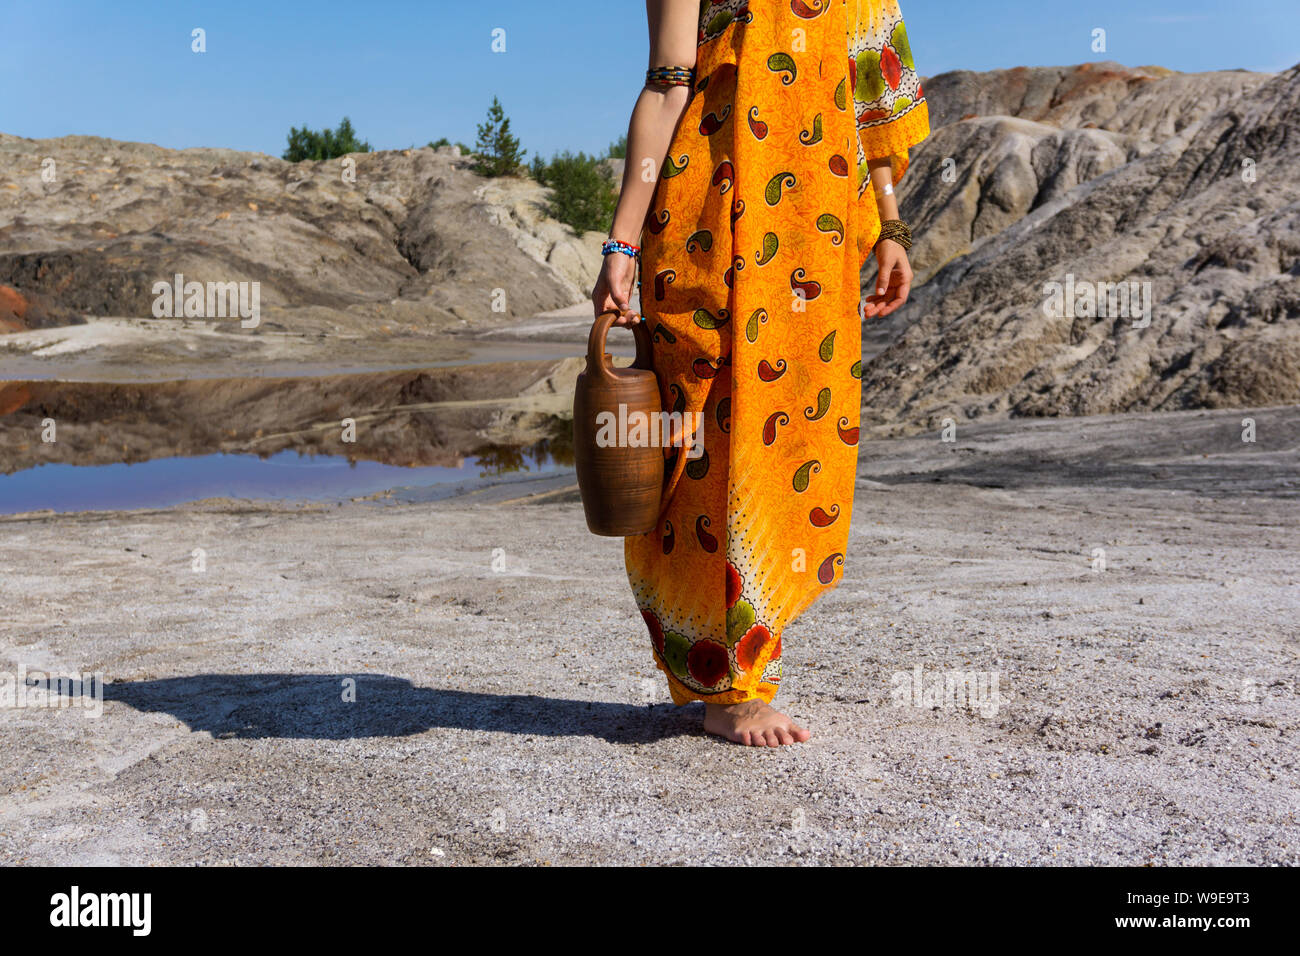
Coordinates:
(507, 710)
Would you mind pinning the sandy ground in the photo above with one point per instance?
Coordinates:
(507, 710)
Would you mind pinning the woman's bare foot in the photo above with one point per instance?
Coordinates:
(753, 723)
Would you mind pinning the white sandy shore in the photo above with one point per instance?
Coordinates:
(507, 709)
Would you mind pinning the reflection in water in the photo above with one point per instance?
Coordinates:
(545, 455)
(285, 475)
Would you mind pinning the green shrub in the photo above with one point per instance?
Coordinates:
(582, 194)
(444, 141)
(618, 148)
(537, 169)
(327, 144)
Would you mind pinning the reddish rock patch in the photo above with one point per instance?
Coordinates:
(20, 312)
(12, 309)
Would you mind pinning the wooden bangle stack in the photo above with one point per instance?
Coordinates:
(670, 76)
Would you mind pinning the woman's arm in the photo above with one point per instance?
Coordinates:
(674, 26)
(893, 271)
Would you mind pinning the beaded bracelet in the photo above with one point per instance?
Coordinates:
(615, 245)
(670, 76)
(896, 230)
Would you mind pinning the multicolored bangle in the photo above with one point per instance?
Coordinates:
(614, 245)
(670, 76)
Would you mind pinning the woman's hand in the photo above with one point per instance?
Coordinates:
(893, 280)
(614, 288)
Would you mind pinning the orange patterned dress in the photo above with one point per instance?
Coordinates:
(761, 222)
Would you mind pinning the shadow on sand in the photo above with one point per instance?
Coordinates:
(313, 706)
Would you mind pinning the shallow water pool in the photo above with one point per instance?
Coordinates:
(287, 475)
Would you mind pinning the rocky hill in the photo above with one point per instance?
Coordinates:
(415, 232)
(1189, 184)
(1009, 141)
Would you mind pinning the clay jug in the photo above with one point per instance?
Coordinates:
(620, 483)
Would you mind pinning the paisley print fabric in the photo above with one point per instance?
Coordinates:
(761, 221)
(890, 105)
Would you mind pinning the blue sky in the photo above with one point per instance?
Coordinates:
(409, 72)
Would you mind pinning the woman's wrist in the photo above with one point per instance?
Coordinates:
(611, 246)
(897, 231)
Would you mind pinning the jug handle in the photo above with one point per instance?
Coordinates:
(644, 346)
(596, 344)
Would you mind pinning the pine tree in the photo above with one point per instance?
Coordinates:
(344, 140)
(498, 152)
